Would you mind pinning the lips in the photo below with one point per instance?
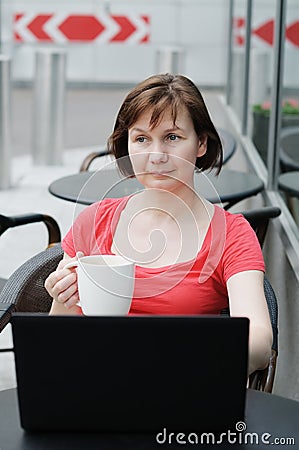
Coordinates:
(161, 174)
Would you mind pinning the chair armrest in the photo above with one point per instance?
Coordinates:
(54, 234)
(262, 380)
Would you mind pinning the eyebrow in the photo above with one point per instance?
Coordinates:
(140, 130)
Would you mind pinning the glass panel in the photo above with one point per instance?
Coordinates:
(289, 134)
(238, 58)
(261, 74)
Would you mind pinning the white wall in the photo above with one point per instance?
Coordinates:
(197, 27)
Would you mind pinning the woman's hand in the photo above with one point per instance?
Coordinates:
(63, 287)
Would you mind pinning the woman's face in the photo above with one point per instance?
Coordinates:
(164, 157)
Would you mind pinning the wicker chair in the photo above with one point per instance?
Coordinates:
(8, 302)
(262, 380)
(86, 163)
(259, 220)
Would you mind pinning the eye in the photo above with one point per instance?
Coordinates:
(141, 139)
(173, 137)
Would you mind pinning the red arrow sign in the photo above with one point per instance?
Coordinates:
(81, 28)
(60, 27)
(265, 31)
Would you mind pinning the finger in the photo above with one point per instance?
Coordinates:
(64, 262)
(65, 295)
(55, 277)
(63, 284)
(72, 301)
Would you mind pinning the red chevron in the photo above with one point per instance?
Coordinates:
(36, 27)
(81, 28)
(17, 37)
(266, 31)
(292, 33)
(126, 29)
(146, 38)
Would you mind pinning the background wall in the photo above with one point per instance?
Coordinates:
(118, 40)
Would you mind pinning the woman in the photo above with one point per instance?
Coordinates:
(191, 257)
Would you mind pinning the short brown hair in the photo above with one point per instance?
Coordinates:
(161, 92)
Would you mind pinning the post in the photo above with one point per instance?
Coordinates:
(237, 85)
(229, 52)
(49, 107)
(246, 67)
(170, 60)
(276, 95)
(5, 120)
(259, 76)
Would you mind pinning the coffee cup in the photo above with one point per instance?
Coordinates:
(105, 284)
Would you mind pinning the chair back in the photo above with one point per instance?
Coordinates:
(86, 163)
(259, 220)
(8, 292)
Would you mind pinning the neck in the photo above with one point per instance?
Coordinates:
(175, 203)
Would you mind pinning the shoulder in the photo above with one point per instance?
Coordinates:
(241, 248)
(234, 233)
(235, 223)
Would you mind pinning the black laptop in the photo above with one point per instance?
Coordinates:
(139, 374)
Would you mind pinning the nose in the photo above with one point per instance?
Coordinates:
(157, 156)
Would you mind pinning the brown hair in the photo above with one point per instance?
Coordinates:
(161, 92)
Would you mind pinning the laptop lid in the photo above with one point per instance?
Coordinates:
(130, 374)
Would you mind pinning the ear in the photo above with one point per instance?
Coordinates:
(202, 145)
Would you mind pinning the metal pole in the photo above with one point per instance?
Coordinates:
(5, 120)
(229, 52)
(247, 66)
(1, 26)
(276, 95)
(237, 85)
(49, 107)
(170, 60)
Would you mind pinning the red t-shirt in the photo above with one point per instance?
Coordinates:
(194, 287)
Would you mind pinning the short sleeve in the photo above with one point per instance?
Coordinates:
(80, 236)
(92, 231)
(242, 250)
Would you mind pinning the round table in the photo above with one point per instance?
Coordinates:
(230, 187)
(289, 183)
(268, 418)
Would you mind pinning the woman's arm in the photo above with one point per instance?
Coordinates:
(247, 299)
(62, 286)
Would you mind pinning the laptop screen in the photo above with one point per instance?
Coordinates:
(136, 374)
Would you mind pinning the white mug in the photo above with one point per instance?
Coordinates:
(105, 284)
